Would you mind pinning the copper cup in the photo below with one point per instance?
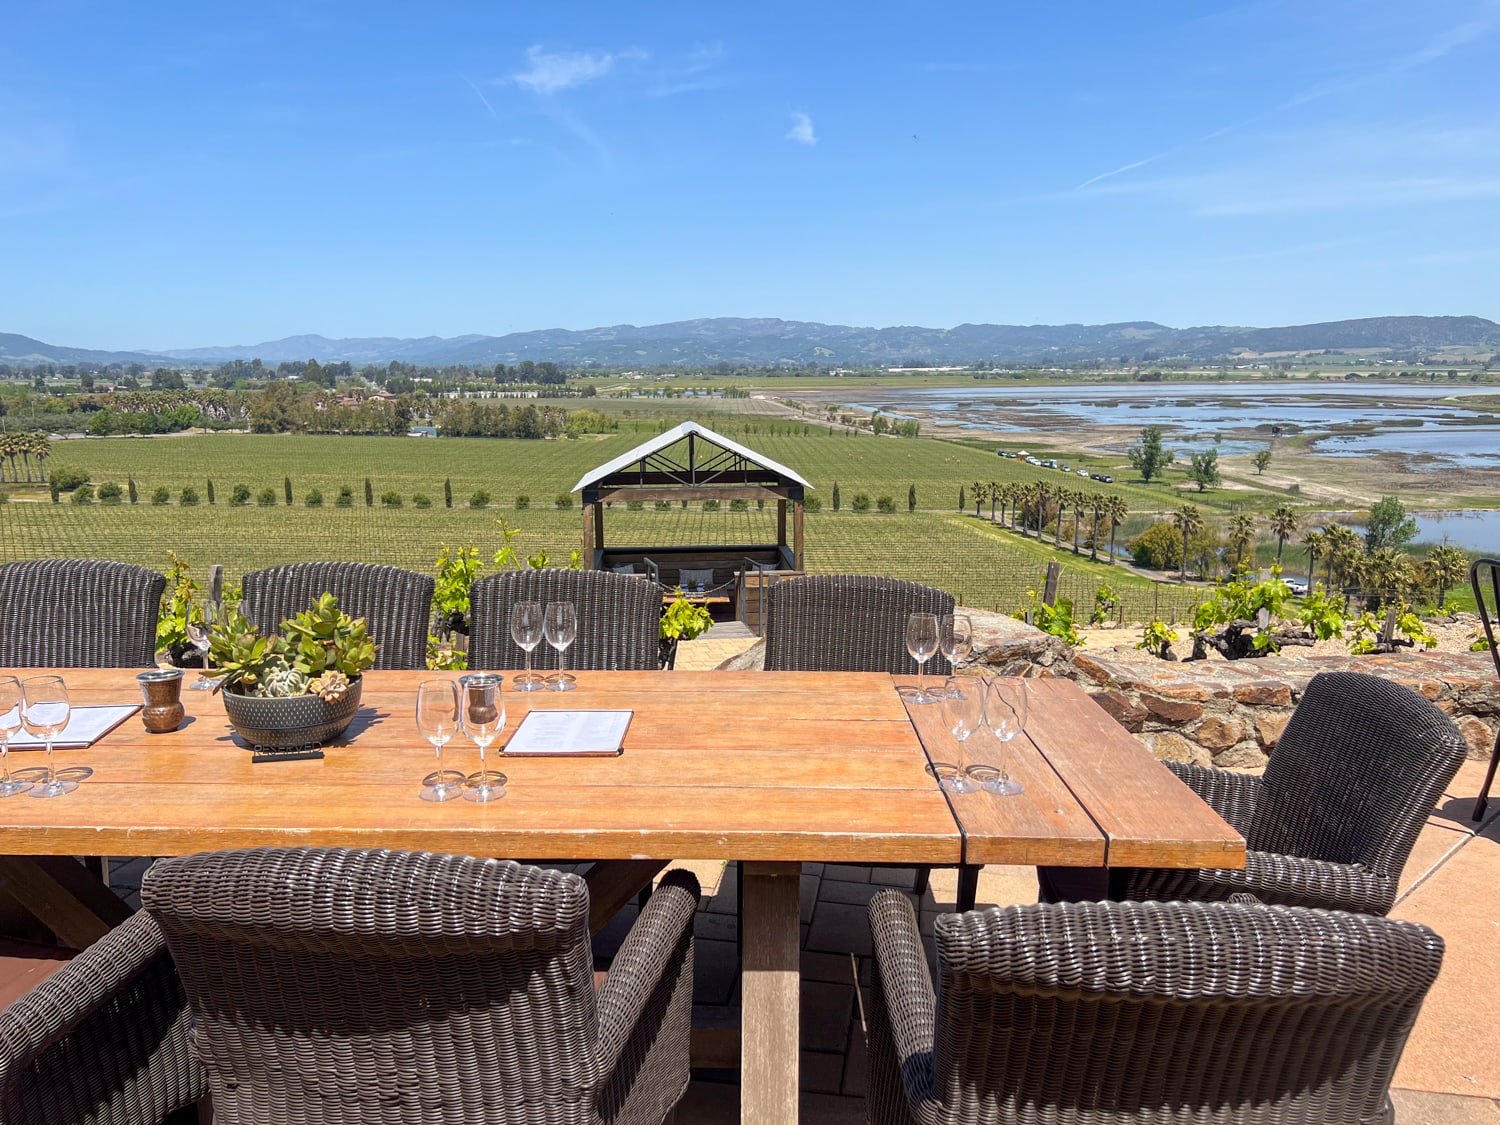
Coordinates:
(161, 691)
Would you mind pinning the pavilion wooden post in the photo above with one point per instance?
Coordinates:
(797, 534)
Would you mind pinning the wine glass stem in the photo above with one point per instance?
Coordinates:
(921, 682)
(4, 758)
(528, 666)
(562, 663)
(51, 773)
(442, 782)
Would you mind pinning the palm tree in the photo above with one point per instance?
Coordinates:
(10, 445)
(28, 446)
(992, 493)
(978, 488)
(1039, 498)
(1080, 502)
(1241, 532)
(1064, 498)
(1317, 544)
(1345, 549)
(1446, 567)
(42, 450)
(1283, 524)
(1389, 572)
(1116, 509)
(1097, 504)
(1188, 520)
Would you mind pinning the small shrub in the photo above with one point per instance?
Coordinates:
(390, 498)
(886, 504)
(480, 499)
(83, 494)
(345, 498)
(634, 505)
(4, 499)
(239, 496)
(663, 505)
(266, 497)
(161, 496)
(110, 492)
(563, 500)
(314, 499)
(522, 503)
(739, 505)
(710, 505)
(1157, 639)
(188, 497)
(812, 504)
(418, 500)
(861, 503)
(65, 480)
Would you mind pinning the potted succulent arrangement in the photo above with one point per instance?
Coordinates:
(299, 686)
(681, 620)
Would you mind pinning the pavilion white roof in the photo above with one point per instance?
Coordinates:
(671, 437)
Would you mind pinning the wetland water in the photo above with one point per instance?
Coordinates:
(1348, 419)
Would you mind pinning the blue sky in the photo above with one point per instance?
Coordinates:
(176, 175)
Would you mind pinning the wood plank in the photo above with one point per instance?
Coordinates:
(63, 896)
(1044, 824)
(770, 1019)
(613, 884)
(1151, 818)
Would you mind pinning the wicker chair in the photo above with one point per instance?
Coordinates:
(847, 623)
(854, 623)
(1168, 1012)
(619, 619)
(1484, 577)
(341, 985)
(1331, 823)
(395, 603)
(78, 613)
(103, 1040)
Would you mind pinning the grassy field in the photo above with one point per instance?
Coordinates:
(979, 563)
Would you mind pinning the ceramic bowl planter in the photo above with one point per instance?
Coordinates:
(292, 720)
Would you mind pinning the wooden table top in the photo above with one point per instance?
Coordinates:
(782, 766)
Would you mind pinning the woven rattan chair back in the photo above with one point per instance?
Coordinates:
(1161, 1011)
(619, 619)
(1484, 579)
(847, 623)
(395, 603)
(352, 985)
(78, 613)
(1356, 773)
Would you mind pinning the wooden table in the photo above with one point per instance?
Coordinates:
(771, 769)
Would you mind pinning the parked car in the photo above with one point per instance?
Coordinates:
(1084, 473)
(1064, 468)
(1104, 477)
(1297, 586)
(1032, 461)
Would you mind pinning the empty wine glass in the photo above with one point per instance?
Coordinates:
(921, 643)
(483, 718)
(437, 719)
(44, 713)
(200, 629)
(1006, 712)
(963, 715)
(559, 626)
(10, 722)
(955, 638)
(526, 631)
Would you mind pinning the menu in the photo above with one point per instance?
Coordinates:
(570, 734)
(86, 725)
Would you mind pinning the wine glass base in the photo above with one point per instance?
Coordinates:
(204, 685)
(529, 681)
(958, 784)
(14, 788)
(921, 695)
(561, 681)
(480, 794)
(440, 792)
(1004, 787)
(53, 788)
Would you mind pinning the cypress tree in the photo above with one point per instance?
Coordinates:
(835, 496)
(210, 492)
(369, 493)
(286, 488)
(911, 498)
(130, 487)
(448, 493)
(962, 507)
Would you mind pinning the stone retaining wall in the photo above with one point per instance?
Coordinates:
(1231, 713)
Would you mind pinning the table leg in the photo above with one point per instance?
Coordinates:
(61, 894)
(769, 993)
(613, 883)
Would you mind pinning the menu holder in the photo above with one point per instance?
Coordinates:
(570, 734)
(86, 726)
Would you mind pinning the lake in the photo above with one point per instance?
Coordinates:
(1472, 530)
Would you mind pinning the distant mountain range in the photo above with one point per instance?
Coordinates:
(766, 342)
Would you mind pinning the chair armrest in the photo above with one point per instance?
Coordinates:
(902, 1019)
(1289, 880)
(102, 1039)
(1231, 795)
(646, 1007)
(652, 570)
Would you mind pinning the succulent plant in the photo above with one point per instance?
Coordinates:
(280, 680)
(325, 638)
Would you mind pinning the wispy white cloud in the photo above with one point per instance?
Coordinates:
(478, 94)
(802, 130)
(550, 72)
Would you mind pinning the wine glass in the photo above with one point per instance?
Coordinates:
(1005, 713)
(437, 719)
(963, 715)
(559, 626)
(10, 722)
(44, 713)
(200, 630)
(483, 718)
(526, 631)
(921, 643)
(955, 638)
